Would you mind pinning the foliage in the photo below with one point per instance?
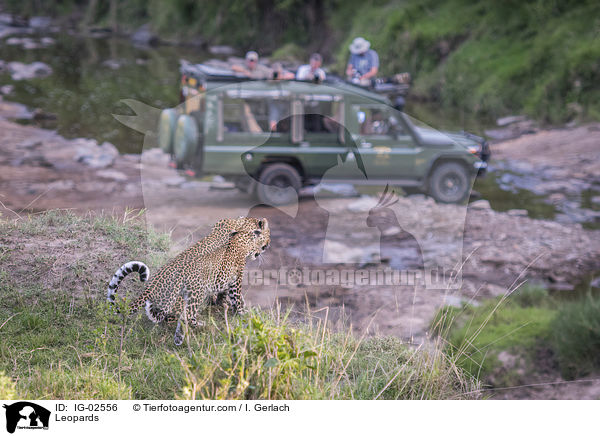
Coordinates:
(537, 57)
(576, 337)
(476, 335)
(527, 324)
(493, 58)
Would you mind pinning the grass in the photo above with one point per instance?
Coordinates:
(526, 335)
(576, 337)
(60, 340)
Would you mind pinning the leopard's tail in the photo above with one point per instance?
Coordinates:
(122, 272)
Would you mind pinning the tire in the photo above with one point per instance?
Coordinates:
(278, 175)
(450, 182)
(167, 122)
(185, 140)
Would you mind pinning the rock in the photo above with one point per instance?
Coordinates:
(343, 189)
(61, 185)
(364, 204)
(155, 156)
(144, 36)
(221, 50)
(14, 110)
(39, 114)
(453, 301)
(505, 121)
(30, 144)
(46, 41)
(195, 184)
(480, 204)
(391, 231)
(557, 197)
(595, 199)
(218, 179)
(517, 212)
(21, 71)
(6, 89)
(88, 153)
(561, 287)
(595, 283)
(174, 181)
(115, 175)
(112, 64)
(40, 22)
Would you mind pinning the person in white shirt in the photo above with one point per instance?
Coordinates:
(312, 71)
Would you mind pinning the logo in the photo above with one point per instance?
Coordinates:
(26, 415)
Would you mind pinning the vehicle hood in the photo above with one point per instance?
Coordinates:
(440, 138)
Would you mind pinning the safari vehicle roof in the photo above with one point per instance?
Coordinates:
(215, 77)
(333, 87)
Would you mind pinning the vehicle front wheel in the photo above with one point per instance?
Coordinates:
(274, 184)
(449, 182)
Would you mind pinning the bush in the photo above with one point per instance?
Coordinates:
(576, 337)
(519, 324)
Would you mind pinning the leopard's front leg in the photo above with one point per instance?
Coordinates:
(236, 299)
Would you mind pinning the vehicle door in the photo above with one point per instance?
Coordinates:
(386, 147)
(323, 144)
(247, 120)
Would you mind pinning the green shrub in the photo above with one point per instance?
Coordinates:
(576, 337)
(519, 324)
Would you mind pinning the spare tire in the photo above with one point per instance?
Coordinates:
(166, 129)
(273, 181)
(185, 140)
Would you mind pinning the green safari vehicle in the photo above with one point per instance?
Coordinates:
(271, 134)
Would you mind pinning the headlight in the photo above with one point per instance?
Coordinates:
(474, 149)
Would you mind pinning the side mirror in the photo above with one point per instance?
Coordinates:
(399, 103)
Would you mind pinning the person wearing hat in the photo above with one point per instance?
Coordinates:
(252, 68)
(364, 62)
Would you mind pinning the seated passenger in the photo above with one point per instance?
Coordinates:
(313, 71)
(252, 68)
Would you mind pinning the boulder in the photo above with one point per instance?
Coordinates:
(94, 156)
(144, 36)
(480, 204)
(21, 71)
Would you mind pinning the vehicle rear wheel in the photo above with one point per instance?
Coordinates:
(185, 140)
(167, 123)
(449, 183)
(273, 181)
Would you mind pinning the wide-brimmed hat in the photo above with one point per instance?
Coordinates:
(359, 45)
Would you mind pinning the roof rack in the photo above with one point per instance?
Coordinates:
(220, 73)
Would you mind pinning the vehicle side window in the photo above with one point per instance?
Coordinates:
(254, 115)
(377, 121)
(323, 116)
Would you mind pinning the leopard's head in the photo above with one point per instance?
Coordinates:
(252, 237)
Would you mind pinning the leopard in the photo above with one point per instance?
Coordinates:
(207, 273)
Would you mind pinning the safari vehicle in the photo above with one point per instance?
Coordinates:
(272, 134)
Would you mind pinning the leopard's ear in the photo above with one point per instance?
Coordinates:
(263, 224)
